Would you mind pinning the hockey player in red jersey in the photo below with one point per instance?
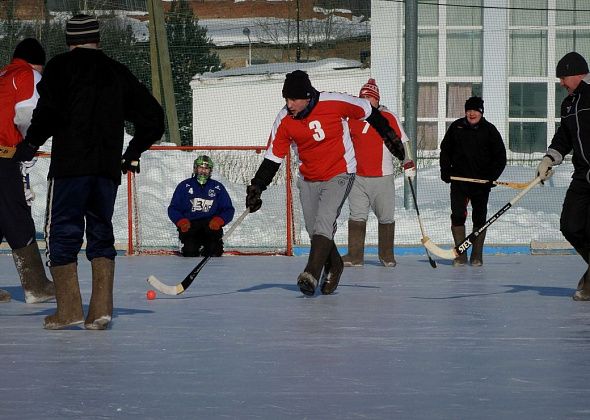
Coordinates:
(373, 187)
(315, 125)
(18, 98)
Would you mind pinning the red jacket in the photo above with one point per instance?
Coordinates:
(321, 139)
(18, 97)
(372, 157)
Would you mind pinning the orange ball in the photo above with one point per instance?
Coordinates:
(151, 294)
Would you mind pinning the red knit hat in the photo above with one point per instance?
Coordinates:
(370, 89)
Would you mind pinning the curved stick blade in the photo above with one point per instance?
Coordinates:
(447, 254)
(164, 288)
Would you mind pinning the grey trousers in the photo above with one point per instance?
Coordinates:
(322, 202)
(372, 193)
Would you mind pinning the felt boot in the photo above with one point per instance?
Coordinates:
(4, 296)
(67, 295)
(583, 291)
(318, 256)
(385, 237)
(100, 310)
(37, 287)
(458, 237)
(476, 258)
(356, 244)
(332, 271)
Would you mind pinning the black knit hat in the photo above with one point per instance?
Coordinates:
(82, 29)
(475, 102)
(571, 64)
(297, 86)
(31, 51)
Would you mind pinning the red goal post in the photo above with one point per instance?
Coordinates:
(268, 231)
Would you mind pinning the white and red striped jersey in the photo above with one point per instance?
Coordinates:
(372, 157)
(18, 98)
(322, 139)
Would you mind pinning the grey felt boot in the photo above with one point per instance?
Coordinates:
(67, 295)
(476, 258)
(356, 244)
(100, 310)
(37, 287)
(386, 235)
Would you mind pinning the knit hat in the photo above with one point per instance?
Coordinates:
(297, 86)
(474, 103)
(31, 51)
(571, 64)
(82, 29)
(370, 89)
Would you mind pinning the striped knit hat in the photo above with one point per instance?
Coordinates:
(82, 29)
(370, 89)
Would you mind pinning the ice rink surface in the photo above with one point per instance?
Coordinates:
(504, 341)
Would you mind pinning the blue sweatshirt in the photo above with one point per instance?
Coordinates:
(194, 201)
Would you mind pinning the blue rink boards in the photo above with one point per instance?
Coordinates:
(504, 341)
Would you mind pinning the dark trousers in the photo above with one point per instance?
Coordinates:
(460, 198)
(16, 221)
(75, 206)
(201, 241)
(575, 214)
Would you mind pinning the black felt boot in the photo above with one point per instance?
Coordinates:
(318, 255)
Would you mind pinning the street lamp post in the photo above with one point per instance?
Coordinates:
(246, 32)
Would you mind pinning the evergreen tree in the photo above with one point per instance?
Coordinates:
(191, 52)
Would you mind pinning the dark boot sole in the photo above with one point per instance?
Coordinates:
(306, 284)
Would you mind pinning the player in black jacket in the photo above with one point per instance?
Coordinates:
(573, 135)
(85, 99)
(472, 148)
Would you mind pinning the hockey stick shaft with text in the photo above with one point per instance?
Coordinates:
(188, 280)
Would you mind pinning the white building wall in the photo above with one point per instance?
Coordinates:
(217, 97)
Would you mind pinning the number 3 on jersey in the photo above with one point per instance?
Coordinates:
(318, 134)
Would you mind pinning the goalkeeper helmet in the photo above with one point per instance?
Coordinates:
(202, 168)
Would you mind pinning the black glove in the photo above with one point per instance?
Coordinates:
(394, 145)
(25, 152)
(445, 175)
(130, 162)
(253, 200)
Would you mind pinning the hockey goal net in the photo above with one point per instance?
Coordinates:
(148, 194)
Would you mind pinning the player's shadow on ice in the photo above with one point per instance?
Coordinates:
(541, 291)
(264, 286)
(513, 288)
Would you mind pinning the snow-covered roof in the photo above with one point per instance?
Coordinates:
(320, 66)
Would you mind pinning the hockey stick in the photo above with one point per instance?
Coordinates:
(514, 185)
(432, 262)
(453, 253)
(182, 286)
(7, 151)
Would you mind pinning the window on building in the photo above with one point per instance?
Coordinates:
(465, 13)
(457, 94)
(527, 137)
(427, 136)
(428, 13)
(427, 100)
(427, 53)
(570, 40)
(528, 12)
(464, 53)
(528, 53)
(528, 100)
(572, 12)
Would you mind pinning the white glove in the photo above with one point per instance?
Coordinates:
(544, 169)
(409, 168)
(25, 167)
